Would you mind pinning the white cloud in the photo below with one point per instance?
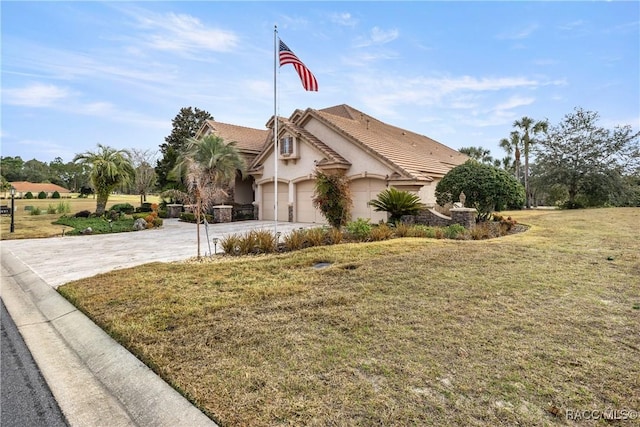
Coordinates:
(377, 36)
(572, 26)
(518, 33)
(344, 19)
(514, 102)
(35, 95)
(184, 34)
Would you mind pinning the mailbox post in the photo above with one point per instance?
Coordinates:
(13, 195)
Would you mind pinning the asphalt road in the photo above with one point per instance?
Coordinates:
(25, 397)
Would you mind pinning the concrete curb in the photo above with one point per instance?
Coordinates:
(95, 381)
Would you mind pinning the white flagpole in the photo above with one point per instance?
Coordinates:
(276, 151)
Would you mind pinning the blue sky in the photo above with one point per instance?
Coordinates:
(75, 74)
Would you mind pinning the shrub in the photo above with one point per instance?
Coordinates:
(295, 240)
(483, 230)
(125, 208)
(55, 195)
(157, 222)
(359, 229)
(486, 188)
(230, 244)
(332, 196)
(42, 195)
(145, 207)
(401, 230)
(316, 236)
(454, 231)
(397, 203)
(191, 217)
(334, 236)
(422, 231)
(149, 218)
(28, 195)
(63, 207)
(51, 209)
(381, 232)
(163, 213)
(265, 241)
(35, 211)
(82, 214)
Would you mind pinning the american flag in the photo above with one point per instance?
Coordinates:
(309, 81)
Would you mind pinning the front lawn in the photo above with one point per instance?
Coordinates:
(510, 331)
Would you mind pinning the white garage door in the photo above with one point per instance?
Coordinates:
(268, 201)
(305, 212)
(363, 190)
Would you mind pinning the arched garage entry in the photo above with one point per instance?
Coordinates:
(363, 190)
(267, 202)
(305, 212)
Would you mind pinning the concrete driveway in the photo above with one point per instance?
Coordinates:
(95, 381)
(59, 260)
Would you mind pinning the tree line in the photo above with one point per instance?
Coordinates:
(575, 163)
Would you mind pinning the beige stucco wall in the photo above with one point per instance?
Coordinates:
(362, 164)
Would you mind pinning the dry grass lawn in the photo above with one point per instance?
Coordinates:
(510, 331)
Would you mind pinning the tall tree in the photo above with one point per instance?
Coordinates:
(530, 129)
(11, 168)
(584, 158)
(185, 125)
(207, 166)
(145, 175)
(110, 168)
(478, 153)
(512, 146)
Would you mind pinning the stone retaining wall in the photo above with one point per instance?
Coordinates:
(463, 216)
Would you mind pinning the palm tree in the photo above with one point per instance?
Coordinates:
(396, 203)
(207, 166)
(529, 127)
(110, 168)
(480, 154)
(512, 145)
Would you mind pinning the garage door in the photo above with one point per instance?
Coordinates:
(305, 212)
(268, 201)
(363, 190)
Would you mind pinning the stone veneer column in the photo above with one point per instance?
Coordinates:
(463, 216)
(222, 213)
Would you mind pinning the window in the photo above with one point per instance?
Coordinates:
(286, 146)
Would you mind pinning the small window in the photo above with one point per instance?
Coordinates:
(286, 146)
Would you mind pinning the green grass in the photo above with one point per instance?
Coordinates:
(97, 225)
(412, 331)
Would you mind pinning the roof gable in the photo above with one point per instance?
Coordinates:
(247, 139)
(418, 156)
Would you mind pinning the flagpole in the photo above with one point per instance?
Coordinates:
(275, 129)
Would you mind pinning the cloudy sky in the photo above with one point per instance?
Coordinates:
(75, 74)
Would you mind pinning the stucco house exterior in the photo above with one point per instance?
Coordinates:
(372, 154)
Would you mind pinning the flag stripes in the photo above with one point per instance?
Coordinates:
(307, 78)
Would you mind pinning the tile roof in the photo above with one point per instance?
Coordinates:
(247, 139)
(35, 188)
(417, 156)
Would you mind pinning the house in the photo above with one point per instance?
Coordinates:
(23, 187)
(372, 154)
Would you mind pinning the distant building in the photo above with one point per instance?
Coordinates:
(23, 187)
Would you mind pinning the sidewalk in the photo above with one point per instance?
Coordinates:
(96, 381)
